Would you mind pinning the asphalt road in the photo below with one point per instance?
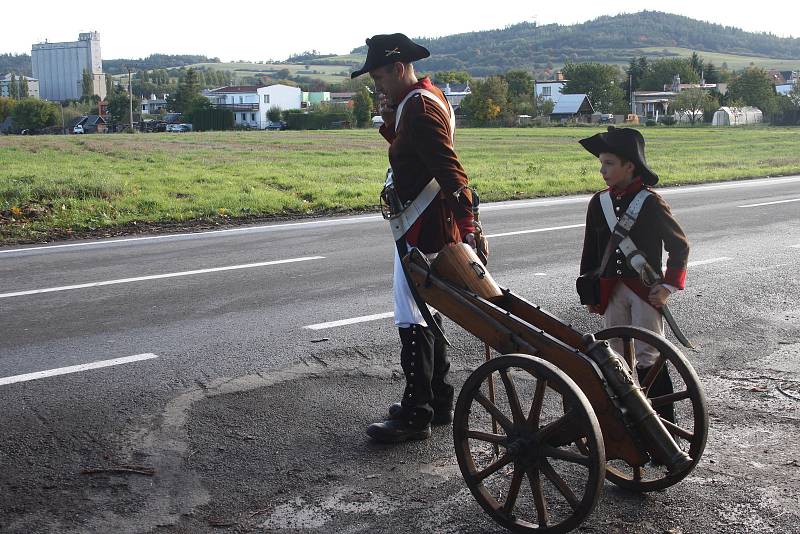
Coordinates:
(213, 319)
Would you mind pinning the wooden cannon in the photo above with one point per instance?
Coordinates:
(538, 429)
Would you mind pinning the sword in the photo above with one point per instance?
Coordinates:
(650, 277)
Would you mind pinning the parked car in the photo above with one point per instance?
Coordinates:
(606, 118)
(281, 125)
(182, 127)
(78, 129)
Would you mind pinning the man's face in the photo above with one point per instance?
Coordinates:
(615, 173)
(388, 80)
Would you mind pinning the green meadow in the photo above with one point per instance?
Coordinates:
(61, 186)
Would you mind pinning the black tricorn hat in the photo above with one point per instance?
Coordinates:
(387, 49)
(625, 142)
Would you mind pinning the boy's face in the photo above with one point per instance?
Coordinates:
(617, 175)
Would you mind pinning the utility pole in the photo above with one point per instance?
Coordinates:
(63, 127)
(130, 97)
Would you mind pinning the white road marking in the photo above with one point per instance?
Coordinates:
(377, 316)
(535, 230)
(794, 246)
(76, 368)
(156, 277)
(241, 229)
(706, 262)
(354, 320)
(769, 203)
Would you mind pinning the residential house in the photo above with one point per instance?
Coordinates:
(313, 98)
(343, 98)
(90, 123)
(655, 104)
(549, 90)
(33, 85)
(242, 100)
(575, 108)
(455, 93)
(277, 96)
(153, 105)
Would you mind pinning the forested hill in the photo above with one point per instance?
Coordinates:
(606, 39)
(20, 64)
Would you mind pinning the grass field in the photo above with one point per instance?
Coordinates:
(57, 186)
(734, 62)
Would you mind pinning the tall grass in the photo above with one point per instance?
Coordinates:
(51, 185)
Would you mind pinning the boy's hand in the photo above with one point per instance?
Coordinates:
(658, 295)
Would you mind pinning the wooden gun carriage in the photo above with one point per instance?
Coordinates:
(537, 429)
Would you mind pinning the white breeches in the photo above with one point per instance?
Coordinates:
(626, 308)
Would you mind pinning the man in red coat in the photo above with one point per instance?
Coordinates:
(426, 173)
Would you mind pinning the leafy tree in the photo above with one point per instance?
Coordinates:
(662, 71)
(108, 84)
(637, 68)
(451, 76)
(520, 83)
(23, 87)
(599, 83)
(362, 107)
(487, 101)
(694, 104)
(35, 114)
(753, 87)
(794, 96)
(696, 63)
(188, 96)
(6, 107)
(542, 106)
(119, 105)
(13, 88)
(274, 114)
(87, 85)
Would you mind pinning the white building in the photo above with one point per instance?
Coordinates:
(59, 67)
(550, 90)
(250, 104)
(277, 96)
(5, 82)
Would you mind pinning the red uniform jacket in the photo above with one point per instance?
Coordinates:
(421, 149)
(655, 227)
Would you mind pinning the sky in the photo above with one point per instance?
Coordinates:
(260, 31)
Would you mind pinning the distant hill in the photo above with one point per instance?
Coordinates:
(19, 64)
(154, 61)
(606, 39)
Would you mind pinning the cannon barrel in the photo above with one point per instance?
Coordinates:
(638, 411)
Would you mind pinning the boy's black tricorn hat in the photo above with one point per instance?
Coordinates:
(386, 49)
(625, 142)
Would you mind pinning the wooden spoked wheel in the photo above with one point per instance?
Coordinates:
(688, 401)
(518, 453)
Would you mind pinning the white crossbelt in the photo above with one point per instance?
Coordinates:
(401, 222)
(625, 223)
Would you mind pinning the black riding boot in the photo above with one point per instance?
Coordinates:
(661, 386)
(412, 419)
(443, 392)
(442, 402)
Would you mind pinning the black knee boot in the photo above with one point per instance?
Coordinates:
(661, 386)
(443, 391)
(412, 419)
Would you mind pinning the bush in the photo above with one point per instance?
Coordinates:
(667, 120)
(650, 122)
(317, 120)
